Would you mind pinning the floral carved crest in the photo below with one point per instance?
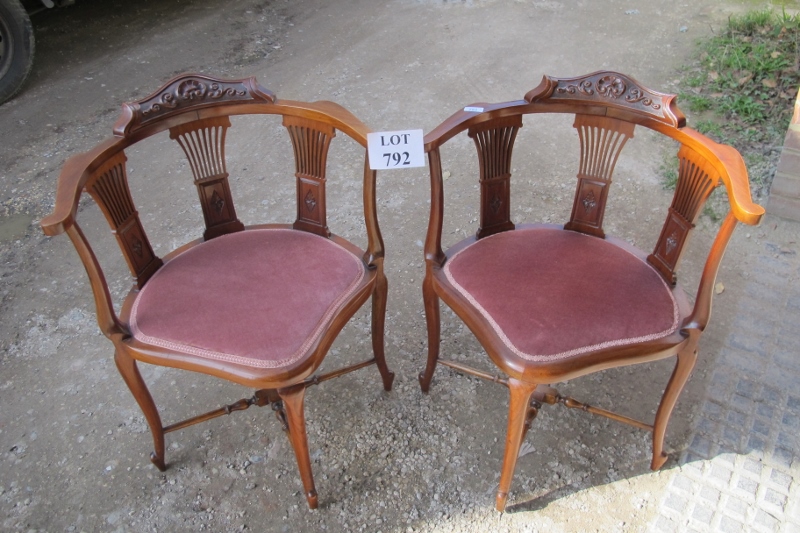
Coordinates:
(610, 88)
(194, 91)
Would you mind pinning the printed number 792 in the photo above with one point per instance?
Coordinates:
(397, 158)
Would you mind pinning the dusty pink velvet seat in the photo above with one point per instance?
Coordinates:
(262, 300)
(530, 283)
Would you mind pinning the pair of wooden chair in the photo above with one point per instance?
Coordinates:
(261, 305)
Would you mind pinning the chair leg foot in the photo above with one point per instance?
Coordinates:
(683, 369)
(293, 400)
(379, 297)
(519, 405)
(388, 379)
(158, 461)
(311, 498)
(424, 382)
(133, 379)
(500, 501)
(433, 321)
(658, 461)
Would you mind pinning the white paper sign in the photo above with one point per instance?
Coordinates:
(473, 109)
(395, 149)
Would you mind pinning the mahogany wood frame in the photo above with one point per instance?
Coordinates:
(607, 108)
(196, 110)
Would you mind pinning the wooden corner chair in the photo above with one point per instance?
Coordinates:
(551, 303)
(259, 306)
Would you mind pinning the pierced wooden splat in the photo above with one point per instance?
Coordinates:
(494, 141)
(203, 142)
(602, 139)
(697, 179)
(108, 186)
(310, 140)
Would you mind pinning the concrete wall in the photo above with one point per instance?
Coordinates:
(784, 197)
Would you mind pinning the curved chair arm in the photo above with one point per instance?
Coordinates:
(343, 120)
(375, 248)
(339, 117)
(71, 180)
(460, 121)
(701, 312)
(107, 318)
(433, 240)
(463, 119)
(733, 173)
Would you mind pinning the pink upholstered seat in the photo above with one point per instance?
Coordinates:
(551, 294)
(265, 297)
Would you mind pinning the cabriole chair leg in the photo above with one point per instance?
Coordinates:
(519, 405)
(133, 379)
(683, 368)
(379, 298)
(293, 400)
(433, 320)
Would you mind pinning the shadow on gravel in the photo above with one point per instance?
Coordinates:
(539, 503)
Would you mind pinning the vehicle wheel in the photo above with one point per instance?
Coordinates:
(16, 48)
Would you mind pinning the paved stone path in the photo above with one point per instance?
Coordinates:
(741, 471)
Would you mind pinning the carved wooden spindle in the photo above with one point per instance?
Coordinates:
(494, 141)
(602, 139)
(310, 140)
(203, 142)
(696, 181)
(109, 188)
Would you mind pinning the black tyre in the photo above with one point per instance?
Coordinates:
(16, 48)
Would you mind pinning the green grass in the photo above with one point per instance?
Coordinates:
(740, 87)
(697, 102)
(710, 128)
(750, 68)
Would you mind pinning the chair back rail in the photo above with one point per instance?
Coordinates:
(196, 111)
(607, 108)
